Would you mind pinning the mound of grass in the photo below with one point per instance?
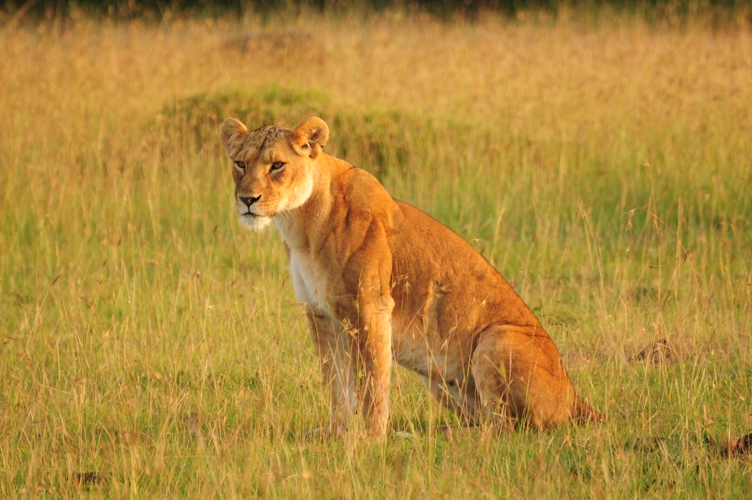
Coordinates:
(378, 140)
(195, 120)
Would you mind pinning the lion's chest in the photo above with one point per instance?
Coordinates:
(309, 282)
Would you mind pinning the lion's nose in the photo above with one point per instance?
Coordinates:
(250, 200)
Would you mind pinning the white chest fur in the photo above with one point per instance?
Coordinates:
(308, 279)
(309, 282)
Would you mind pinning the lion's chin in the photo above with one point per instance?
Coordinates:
(255, 222)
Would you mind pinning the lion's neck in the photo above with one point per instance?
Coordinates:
(298, 226)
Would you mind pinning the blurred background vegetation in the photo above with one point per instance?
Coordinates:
(653, 10)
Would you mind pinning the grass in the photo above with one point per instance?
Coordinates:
(153, 349)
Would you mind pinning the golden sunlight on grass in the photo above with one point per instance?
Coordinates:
(151, 348)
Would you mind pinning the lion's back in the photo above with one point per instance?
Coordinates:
(428, 256)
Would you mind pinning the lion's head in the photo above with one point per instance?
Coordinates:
(272, 166)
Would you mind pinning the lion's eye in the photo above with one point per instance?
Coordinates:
(277, 166)
(240, 165)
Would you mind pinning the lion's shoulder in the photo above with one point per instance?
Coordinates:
(363, 196)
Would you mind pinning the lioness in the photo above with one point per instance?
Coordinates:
(382, 280)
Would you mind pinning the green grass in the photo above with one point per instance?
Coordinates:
(603, 168)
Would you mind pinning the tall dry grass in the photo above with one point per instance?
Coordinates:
(603, 167)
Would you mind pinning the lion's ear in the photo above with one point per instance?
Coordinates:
(309, 137)
(231, 133)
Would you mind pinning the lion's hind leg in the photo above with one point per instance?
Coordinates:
(521, 379)
(458, 396)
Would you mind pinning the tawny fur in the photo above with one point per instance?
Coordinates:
(382, 280)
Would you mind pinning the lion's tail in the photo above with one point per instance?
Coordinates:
(584, 413)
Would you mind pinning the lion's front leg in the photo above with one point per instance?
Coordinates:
(374, 337)
(337, 357)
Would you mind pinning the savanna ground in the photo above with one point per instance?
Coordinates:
(151, 348)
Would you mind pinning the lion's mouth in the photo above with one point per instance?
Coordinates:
(253, 215)
(252, 220)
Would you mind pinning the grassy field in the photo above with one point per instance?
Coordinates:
(151, 348)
